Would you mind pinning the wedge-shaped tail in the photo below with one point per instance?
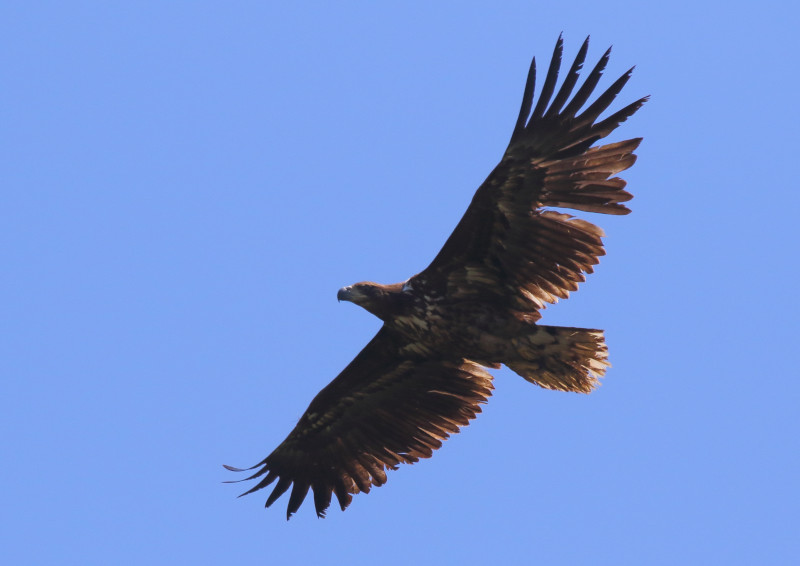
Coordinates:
(561, 358)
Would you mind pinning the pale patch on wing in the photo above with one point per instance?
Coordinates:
(469, 278)
(416, 348)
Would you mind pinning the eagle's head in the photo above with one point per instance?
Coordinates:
(380, 300)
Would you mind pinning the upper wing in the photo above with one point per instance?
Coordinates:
(385, 408)
(506, 245)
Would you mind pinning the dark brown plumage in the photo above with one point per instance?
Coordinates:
(476, 305)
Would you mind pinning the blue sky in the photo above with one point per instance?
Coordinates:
(185, 186)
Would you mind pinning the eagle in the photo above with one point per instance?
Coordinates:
(476, 306)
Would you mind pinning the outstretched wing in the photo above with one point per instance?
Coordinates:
(387, 407)
(507, 246)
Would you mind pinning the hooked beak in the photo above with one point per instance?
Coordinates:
(344, 294)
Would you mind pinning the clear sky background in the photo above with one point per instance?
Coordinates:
(185, 185)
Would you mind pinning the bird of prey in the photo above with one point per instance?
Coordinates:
(476, 306)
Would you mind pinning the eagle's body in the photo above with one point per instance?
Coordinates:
(476, 305)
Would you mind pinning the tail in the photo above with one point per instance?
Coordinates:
(561, 358)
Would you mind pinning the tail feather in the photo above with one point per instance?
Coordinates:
(561, 358)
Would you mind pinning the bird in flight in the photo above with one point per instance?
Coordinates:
(476, 306)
